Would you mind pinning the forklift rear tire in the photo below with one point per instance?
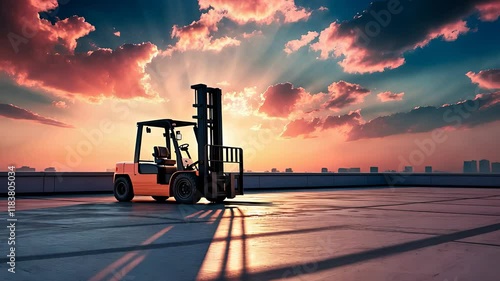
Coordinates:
(160, 198)
(123, 190)
(184, 189)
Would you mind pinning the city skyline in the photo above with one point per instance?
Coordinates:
(306, 84)
(471, 166)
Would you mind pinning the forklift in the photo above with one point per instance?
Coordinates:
(178, 176)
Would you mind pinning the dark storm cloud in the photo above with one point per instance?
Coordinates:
(483, 109)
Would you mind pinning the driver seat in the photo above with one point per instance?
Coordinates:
(161, 155)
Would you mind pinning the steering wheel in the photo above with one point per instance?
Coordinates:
(192, 166)
(184, 146)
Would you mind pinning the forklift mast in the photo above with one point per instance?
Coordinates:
(208, 102)
(211, 153)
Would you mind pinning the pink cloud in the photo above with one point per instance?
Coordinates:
(14, 112)
(344, 94)
(60, 104)
(252, 34)
(374, 41)
(280, 99)
(390, 96)
(259, 11)
(300, 127)
(294, 45)
(489, 11)
(357, 59)
(486, 79)
(305, 128)
(198, 35)
(36, 53)
(489, 100)
(244, 103)
(352, 119)
(117, 33)
(360, 59)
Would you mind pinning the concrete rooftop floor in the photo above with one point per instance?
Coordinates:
(450, 234)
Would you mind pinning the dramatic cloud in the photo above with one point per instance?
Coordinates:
(352, 119)
(486, 79)
(14, 112)
(117, 33)
(390, 96)
(378, 38)
(344, 94)
(489, 10)
(280, 100)
(198, 35)
(294, 45)
(243, 103)
(60, 104)
(252, 34)
(259, 11)
(300, 127)
(483, 109)
(37, 53)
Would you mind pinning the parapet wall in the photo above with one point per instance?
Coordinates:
(55, 182)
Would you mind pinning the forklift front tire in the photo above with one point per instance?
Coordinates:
(123, 190)
(184, 189)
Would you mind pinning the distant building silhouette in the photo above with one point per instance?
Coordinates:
(51, 169)
(324, 170)
(373, 169)
(408, 169)
(484, 166)
(428, 169)
(343, 170)
(495, 167)
(25, 169)
(274, 170)
(354, 170)
(288, 170)
(470, 166)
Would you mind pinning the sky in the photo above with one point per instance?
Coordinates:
(306, 84)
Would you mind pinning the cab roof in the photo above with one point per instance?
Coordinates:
(166, 123)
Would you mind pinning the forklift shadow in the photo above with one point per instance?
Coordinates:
(248, 203)
(229, 246)
(146, 200)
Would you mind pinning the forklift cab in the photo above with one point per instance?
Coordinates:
(164, 163)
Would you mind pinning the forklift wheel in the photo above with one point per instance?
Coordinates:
(123, 190)
(184, 189)
(160, 198)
